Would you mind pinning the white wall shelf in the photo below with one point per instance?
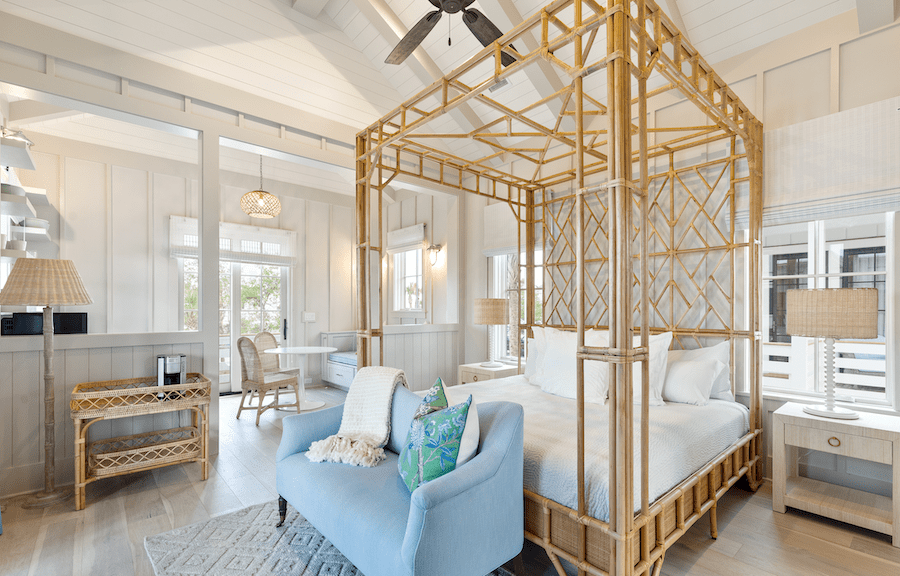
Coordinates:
(12, 255)
(16, 206)
(29, 234)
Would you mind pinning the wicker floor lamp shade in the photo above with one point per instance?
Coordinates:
(491, 312)
(47, 283)
(832, 313)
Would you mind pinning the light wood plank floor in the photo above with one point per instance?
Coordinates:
(107, 537)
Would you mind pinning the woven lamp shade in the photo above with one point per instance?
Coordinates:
(833, 313)
(260, 204)
(43, 282)
(491, 311)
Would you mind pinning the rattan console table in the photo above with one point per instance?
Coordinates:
(110, 399)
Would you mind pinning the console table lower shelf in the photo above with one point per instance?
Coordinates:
(111, 399)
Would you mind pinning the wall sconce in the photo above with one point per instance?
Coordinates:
(433, 252)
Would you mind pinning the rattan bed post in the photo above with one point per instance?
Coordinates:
(614, 369)
(754, 149)
(621, 288)
(529, 261)
(645, 282)
(362, 216)
(579, 285)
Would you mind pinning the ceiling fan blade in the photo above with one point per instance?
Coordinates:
(413, 38)
(436, 3)
(485, 31)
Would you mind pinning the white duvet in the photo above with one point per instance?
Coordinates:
(683, 438)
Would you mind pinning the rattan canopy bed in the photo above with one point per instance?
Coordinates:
(645, 223)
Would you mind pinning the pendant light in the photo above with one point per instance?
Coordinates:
(259, 203)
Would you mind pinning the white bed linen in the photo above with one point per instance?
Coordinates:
(683, 438)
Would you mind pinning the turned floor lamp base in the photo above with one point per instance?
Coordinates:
(47, 499)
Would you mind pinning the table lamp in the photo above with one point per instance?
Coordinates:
(47, 283)
(491, 312)
(832, 313)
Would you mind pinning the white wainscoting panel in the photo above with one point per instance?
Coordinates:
(425, 352)
(22, 407)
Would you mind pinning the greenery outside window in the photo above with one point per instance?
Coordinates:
(408, 285)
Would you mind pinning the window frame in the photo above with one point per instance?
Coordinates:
(817, 250)
(399, 315)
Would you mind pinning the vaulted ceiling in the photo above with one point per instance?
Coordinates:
(326, 57)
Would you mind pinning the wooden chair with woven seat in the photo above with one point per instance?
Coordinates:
(255, 380)
(270, 362)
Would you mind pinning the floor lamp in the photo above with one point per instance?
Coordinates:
(832, 313)
(491, 312)
(47, 283)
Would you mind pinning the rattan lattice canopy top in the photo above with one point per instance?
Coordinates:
(638, 175)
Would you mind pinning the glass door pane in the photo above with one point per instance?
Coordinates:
(224, 322)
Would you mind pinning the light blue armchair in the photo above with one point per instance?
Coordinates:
(465, 523)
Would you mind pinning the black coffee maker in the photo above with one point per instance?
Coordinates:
(170, 369)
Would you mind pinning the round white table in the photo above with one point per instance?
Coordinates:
(303, 351)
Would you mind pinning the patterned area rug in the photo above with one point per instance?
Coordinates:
(246, 543)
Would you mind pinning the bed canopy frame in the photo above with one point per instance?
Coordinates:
(642, 229)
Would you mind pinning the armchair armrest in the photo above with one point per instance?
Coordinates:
(301, 430)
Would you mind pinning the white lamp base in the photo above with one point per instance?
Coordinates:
(492, 364)
(833, 412)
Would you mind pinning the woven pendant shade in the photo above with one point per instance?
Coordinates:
(491, 311)
(833, 312)
(43, 282)
(260, 204)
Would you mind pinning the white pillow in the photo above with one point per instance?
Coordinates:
(531, 359)
(558, 366)
(557, 373)
(691, 381)
(721, 389)
(468, 444)
(540, 345)
(659, 353)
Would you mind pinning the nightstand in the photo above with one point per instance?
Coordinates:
(873, 437)
(477, 373)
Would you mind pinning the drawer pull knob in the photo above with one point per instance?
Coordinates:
(475, 377)
(834, 442)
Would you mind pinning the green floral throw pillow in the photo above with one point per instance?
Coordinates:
(432, 445)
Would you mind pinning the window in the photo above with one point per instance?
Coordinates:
(408, 285)
(839, 253)
(191, 295)
(505, 269)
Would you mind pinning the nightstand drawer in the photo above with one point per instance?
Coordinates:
(466, 377)
(871, 449)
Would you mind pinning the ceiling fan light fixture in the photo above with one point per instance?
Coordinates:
(259, 203)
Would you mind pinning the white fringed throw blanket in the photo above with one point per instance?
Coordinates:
(366, 423)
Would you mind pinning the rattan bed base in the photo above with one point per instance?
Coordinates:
(555, 527)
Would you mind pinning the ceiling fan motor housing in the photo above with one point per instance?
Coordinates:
(452, 6)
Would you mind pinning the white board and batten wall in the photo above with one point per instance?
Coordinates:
(426, 348)
(112, 219)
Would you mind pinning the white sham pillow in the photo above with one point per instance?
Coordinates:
(530, 359)
(691, 381)
(557, 375)
(659, 354)
(721, 389)
(468, 444)
(540, 346)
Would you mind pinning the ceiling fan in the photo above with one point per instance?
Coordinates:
(477, 23)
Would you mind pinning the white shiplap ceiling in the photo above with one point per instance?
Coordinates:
(326, 57)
